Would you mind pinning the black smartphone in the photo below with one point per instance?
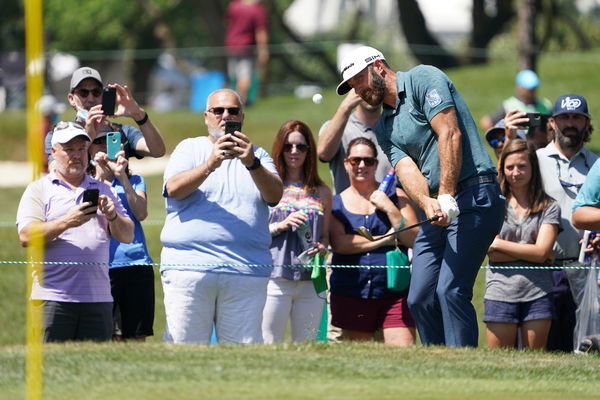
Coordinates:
(91, 195)
(232, 126)
(109, 100)
(535, 120)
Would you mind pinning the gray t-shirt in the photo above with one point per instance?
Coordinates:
(354, 128)
(521, 285)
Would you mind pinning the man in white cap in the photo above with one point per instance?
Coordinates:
(85, 96)
(75, 288)
(526, 100)
(430, 138)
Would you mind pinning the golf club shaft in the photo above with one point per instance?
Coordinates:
(425, 221)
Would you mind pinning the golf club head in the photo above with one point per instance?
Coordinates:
(364, 232)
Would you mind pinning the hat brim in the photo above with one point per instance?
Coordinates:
(490, 132)
(571, 112)
(343, 88)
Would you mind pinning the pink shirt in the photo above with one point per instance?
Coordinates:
(47, 199)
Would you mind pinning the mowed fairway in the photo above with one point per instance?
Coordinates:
(300, 371)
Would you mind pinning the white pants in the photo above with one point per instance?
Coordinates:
(196, 300)
(295, 300)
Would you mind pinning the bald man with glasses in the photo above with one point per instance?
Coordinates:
(564, 164)
(215, 256)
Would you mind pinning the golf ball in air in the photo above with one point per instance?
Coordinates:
(317, 98)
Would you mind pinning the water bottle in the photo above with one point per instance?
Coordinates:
(305, 235)
(388, 182)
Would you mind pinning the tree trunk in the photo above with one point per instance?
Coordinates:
(486, 27)
(421, 43)
(527, 40)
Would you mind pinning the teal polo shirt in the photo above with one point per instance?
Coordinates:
(404, 131)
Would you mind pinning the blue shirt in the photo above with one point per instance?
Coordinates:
(405, 131)
(136, 252)
(224, 221)
(589, 194)
(365, 283)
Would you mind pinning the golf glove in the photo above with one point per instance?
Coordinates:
(448, 206)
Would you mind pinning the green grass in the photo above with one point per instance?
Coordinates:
(300, 371)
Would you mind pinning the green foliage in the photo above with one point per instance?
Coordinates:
(12, 25)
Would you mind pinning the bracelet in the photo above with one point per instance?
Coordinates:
(113, 218)
(143, 120)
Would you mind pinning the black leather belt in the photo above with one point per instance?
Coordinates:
(474, 181)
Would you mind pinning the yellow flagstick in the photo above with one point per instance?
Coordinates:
(34, 50)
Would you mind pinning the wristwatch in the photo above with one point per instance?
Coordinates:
(255, 164)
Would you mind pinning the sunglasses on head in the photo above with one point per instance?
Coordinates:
(68, 124)
(221, 110)
(496, 142)
(355, 161)
(301, 147)
(86, 92)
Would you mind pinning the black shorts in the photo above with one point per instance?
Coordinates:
(133, 292)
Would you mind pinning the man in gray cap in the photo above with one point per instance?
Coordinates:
(85, 97)
(564, 164)
(430, 138)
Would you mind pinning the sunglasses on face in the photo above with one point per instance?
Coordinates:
(100, 140)
(496, 142)
(86, 92)
(301, 147)
(221, 110)
(355, 161)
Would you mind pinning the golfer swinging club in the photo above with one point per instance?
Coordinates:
(429, 136)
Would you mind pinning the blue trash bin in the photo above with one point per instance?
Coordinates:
(203, 84)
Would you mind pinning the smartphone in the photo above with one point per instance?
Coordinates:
(588, 237)
(535, 120)
(109, 100)
(113, 144)
(91, 195)
(232, 126)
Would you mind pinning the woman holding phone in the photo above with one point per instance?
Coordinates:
(521, 297)
(131, 273)
(299, 225)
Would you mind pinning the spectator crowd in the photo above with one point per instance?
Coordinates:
(247, 232)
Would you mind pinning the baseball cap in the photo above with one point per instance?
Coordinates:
(66, 131)
(354, 62)
(85, 73)
(489, 135)
(570, 103)
(527, 79)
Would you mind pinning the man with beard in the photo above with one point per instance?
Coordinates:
(215, 256)
(564, 165)
(429, 136)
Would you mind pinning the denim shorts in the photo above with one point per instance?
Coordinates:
(515, 313)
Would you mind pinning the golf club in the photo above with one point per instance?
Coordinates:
(364, 232)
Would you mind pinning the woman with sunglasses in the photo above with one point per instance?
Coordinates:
(521, 297)
(361, 302)
(303, 212)
(131, 273)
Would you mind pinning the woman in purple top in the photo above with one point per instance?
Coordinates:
(299, 227)
(361, 303)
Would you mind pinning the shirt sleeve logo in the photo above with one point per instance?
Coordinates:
(433, 98)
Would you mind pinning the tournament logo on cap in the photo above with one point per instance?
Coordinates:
(570, 104)
(354, 63)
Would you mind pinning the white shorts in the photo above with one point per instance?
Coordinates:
(194, 301)
(240, 68)
(294, 301)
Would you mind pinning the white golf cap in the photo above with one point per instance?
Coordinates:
(85, 73)
(354, 62)
(64, 132)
